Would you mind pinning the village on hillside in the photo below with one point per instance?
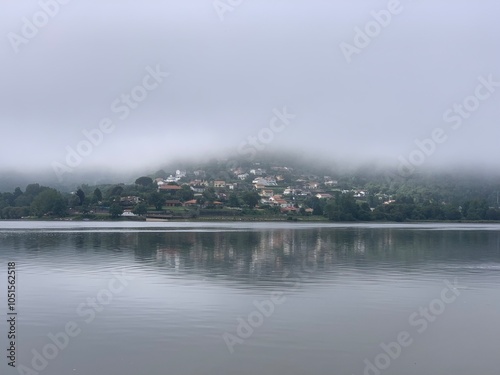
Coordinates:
(261, 191)
(277, 191)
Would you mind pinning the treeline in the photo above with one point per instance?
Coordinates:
(42, 201)
(36, 200)
(403, 208)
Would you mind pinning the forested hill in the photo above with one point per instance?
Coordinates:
(297, 189)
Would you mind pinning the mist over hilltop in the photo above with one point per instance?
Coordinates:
(301, 165)
(407, 84)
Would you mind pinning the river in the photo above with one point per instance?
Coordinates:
(132, 298)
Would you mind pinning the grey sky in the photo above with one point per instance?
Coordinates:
(226, 77)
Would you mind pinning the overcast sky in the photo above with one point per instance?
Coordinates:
(230, 68)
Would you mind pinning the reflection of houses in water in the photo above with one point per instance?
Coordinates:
(170, 257)
(269, 252)
(359, 245)
(288, 243)
(281, 250)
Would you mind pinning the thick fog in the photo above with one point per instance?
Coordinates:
(132, 84)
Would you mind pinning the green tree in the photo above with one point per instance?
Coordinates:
(140, 209)
(156, 199)
(15, 212)
(73, 200)
(115, 210)
(345, 208)
(6, 212)
(316, 204)
(493, 214)
(365, 212)
(161, 174)
(81, 196)
(49, 202)
(144, 181)
(8, 199)
(451, 212)
(251, 198)
(475, 209)
(209, 195)
(34, 189)
(23, 200)
(97, 195)
(233, 201)
(185, 194)
(17, 192)
(116, 191)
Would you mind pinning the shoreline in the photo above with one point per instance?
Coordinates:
(248, 219)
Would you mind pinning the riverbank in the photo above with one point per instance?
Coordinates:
(246, 218)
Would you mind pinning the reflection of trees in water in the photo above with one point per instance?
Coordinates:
(271, 253)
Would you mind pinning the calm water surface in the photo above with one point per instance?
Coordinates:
(186, 297)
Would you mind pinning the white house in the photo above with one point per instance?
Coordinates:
(323, 196)
(172, 179)
(242, 176)
(264, 181)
